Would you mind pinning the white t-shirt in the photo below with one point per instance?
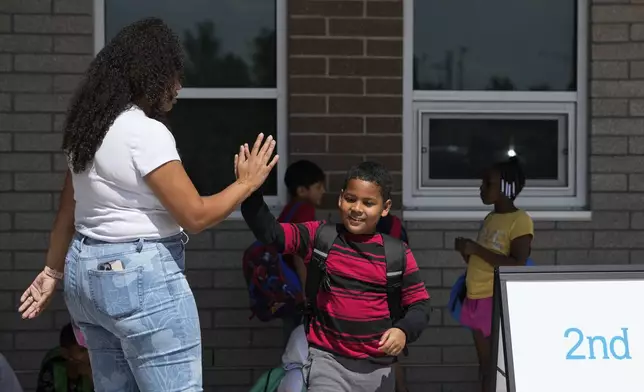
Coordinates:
(113, 202)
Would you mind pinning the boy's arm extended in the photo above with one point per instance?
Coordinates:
(286, 237)
(261, 222)
(416, 299)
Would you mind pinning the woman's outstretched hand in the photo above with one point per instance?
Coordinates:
(253, 166)
(37, 296)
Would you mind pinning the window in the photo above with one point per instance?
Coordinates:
(503, 78)
(234, 84)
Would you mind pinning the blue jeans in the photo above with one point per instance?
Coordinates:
(140, 324)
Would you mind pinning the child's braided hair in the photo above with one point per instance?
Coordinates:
(512, 177)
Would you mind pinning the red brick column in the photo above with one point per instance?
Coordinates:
(345, 85)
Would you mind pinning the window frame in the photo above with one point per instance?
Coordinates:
(277, 93)
(450, 202)
(489, 110)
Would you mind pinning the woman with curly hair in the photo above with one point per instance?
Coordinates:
(118, 231)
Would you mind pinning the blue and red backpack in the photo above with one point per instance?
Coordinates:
(274, 288)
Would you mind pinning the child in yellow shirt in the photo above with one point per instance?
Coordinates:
(504, 239)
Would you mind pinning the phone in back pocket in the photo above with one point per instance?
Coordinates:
(116, 265)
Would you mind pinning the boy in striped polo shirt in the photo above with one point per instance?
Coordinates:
(352, 338)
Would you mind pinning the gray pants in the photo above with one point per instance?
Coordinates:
(328, 373)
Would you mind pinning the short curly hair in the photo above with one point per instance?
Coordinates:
(139, 66)
(371, 172)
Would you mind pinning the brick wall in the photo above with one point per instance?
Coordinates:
(44, 46)
(345, 85)
(345, 89)
(617, 131)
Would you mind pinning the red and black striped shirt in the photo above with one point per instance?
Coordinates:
(354, 314)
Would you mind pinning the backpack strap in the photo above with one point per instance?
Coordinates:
(396, 258)
(268, 380)
(403, 235)
(291, 212)
(88, 384)
(316, 275)
(59, 371)
(396, 227)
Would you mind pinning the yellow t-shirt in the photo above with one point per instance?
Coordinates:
(497, 233)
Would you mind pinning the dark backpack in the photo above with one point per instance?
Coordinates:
(317, 277)
(59, 370)
(392, 225)
(274, 289)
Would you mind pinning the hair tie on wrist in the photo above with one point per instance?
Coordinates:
(52, 273)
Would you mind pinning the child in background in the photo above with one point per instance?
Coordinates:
(354, 341)
(66, 368)
(504, 240)
(305, 183)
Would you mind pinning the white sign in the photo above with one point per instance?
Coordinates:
(577, 335)
(501, 382)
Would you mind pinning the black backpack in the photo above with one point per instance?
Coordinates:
(316, 275)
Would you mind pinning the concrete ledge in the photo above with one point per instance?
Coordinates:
(443, 215)
(423, 215)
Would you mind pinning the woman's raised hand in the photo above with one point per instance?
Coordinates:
(253, 166)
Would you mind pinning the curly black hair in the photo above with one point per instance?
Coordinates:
(371, 172)
(67, 338)
(139, 66)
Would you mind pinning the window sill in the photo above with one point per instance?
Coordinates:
(237, 216)
(443, 215)
(474, 215)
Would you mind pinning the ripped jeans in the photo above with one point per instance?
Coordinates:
(140, 323)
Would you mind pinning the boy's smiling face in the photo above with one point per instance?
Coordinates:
(361, 206)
